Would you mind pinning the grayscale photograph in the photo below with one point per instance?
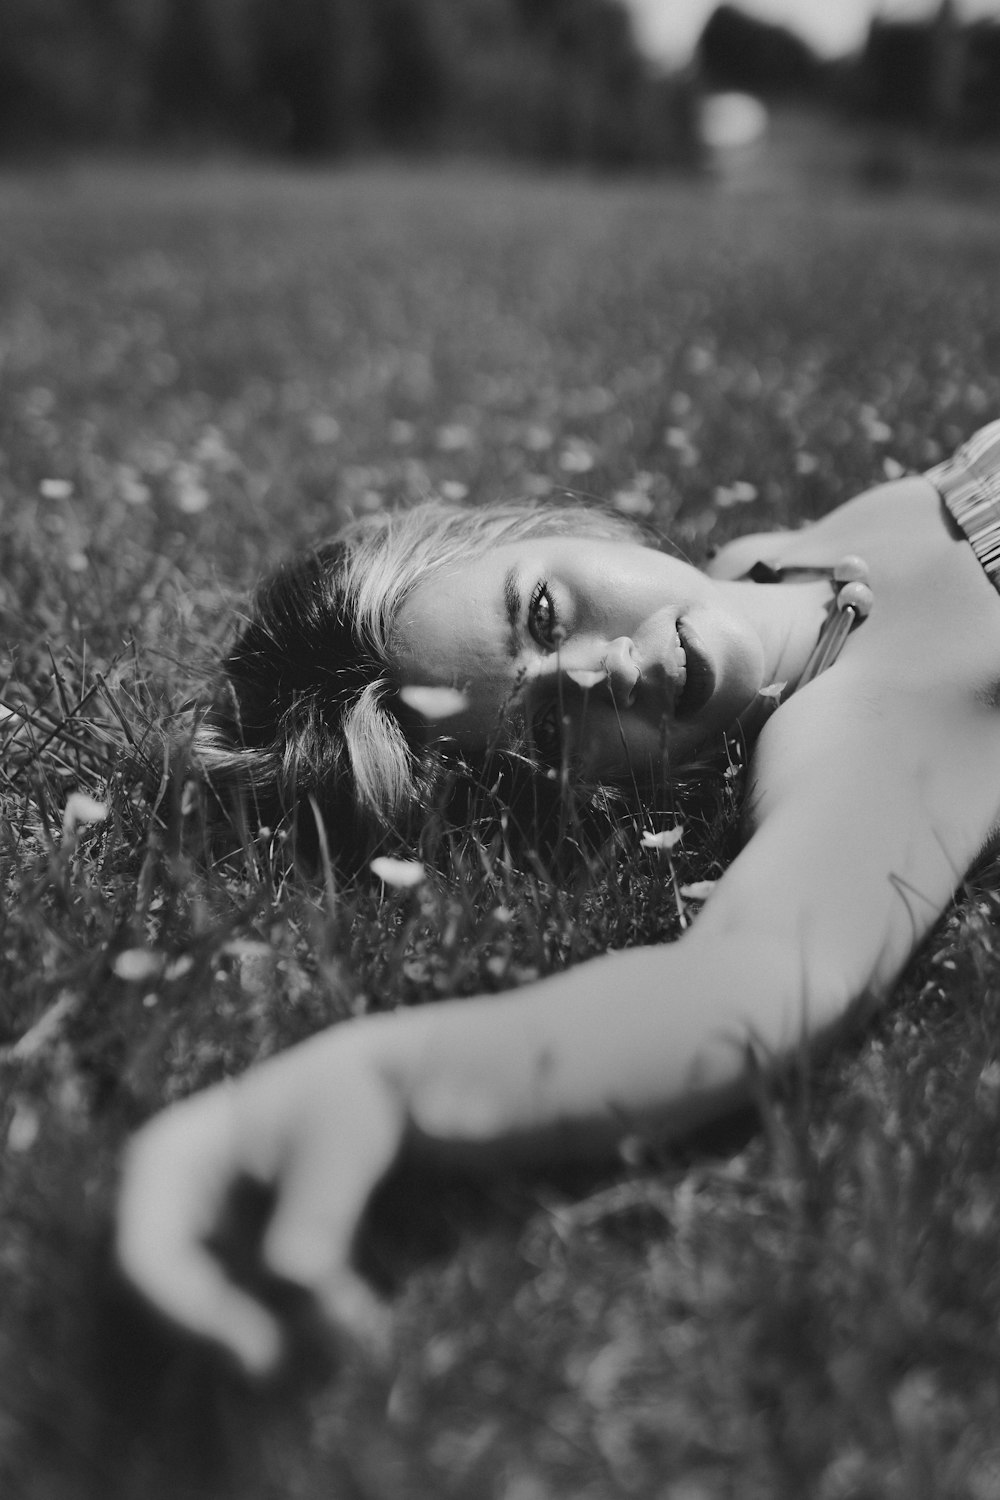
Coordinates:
(499, 750)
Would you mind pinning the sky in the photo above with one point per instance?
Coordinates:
(669, 28)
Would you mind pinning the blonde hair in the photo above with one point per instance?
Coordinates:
(307, 713)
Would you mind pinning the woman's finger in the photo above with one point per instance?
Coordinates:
(322, 1193)
(177, 1174)
(348, 1304)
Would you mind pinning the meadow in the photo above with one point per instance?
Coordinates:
(201, 368)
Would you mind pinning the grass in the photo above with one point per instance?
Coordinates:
(203, 369)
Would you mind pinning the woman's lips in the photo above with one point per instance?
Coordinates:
(699, 683)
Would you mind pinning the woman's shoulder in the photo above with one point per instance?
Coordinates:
(893, 523)
(735, 558)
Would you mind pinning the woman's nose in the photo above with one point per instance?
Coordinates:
(623, 674)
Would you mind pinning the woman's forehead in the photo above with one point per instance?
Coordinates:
(458, 621)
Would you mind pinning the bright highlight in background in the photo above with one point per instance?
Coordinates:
(731, 121)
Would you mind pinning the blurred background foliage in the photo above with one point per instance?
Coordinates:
(556, 81)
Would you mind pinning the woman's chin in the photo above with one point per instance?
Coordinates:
(735, 694)
(734, 665)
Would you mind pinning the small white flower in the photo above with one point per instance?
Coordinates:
(82, 809)
(669, 838)
(22, 1131)
(178, 967)
(698, 890)
(454, 490)
(247, 948)
(585, 679)
(576, 457)
(773, 690)
(634, 502)
(989, 1078)
(323, 428)
(137, 965)
(454, 436)
(402, 873)
(875, 429)
(434, 702)
(740, 493)
(131, 486)
(56, 489)
(190, 494)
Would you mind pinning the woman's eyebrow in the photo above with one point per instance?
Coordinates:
(512, 609)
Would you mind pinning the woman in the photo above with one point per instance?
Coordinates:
(875, 785)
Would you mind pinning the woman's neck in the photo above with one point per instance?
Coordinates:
(787, 618)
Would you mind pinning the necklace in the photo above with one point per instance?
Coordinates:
(851, 603)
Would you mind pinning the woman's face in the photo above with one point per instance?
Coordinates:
(616, 657)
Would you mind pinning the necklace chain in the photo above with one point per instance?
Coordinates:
(851, 603)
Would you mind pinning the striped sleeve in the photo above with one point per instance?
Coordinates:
(969, 485)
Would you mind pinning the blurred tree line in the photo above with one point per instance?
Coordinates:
(941, 73)
(560, 81)
(938, 73)
(555, 80)
(740, 51)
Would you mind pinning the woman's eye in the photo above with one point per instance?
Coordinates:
(546, 734)
(542, 620)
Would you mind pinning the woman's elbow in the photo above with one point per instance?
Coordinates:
(786, 994)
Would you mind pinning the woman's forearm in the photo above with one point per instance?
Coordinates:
(657, 1039)
(652, 1039)
(648, 1040)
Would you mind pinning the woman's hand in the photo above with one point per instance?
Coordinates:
(318, 1126)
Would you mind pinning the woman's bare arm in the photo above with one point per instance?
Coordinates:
(866, 824)
(865, 830)
(652, 1038)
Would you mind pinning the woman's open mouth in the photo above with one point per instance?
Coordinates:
(699, 683)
